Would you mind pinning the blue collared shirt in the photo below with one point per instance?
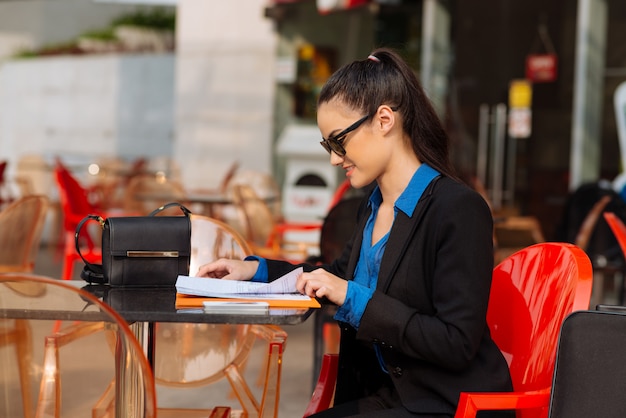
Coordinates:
(361, 289)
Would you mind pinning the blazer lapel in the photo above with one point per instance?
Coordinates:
(401, 232)
(356, 246)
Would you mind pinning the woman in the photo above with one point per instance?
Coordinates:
(412, 286)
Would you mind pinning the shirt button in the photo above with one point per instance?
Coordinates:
(397, 371)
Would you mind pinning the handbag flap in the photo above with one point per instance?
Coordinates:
(167, 234)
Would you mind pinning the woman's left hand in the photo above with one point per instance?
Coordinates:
(320, 283)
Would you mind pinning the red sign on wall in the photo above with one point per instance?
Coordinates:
(541, 68)
(327, 6)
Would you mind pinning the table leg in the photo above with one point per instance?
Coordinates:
(129, 390)
(144, 332)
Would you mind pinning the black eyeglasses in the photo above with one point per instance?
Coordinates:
(335, 142)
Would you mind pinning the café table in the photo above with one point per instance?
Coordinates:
(142, 308)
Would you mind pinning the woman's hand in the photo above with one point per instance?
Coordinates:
(229, 269)
(320, 283)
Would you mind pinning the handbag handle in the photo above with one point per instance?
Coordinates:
(92, 273)
(185, 211)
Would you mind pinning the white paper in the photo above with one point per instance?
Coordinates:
(281, 288)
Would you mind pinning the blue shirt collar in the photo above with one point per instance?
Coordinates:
(413, 192)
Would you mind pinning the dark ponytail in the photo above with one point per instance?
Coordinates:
(385, 78)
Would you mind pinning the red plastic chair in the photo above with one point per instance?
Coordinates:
(339, 193)
(75, 206)
(533, 290)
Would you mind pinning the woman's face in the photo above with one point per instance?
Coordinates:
(365, 156)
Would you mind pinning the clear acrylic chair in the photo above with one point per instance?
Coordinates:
(146, 192)
(268, 236)
(72, 370)
(192, 356)
(21, 226)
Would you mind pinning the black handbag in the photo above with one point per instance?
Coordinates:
(140, 251)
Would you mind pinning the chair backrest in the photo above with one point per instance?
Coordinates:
(618, 228)
(21, 226)
(146, 192)
(31, 306)
(339, 193)
(35, 168)
(73, 197)
(255, 215)
(192, 355)
(589, 223)
(264, 186)
(601, 243)
(212, 239)
(533, 290)
(164, 166)
(228, 177)
(590, 367)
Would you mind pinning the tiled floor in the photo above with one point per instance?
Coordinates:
(296, 387)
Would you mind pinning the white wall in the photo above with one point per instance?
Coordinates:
(224, 88)
(87, 106)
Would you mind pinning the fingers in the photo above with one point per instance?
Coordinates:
(305, 284)
(229, 269)
(215, 270)
(319, 283)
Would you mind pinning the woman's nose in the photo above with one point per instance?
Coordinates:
(335, 159)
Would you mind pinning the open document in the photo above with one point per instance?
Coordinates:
(280, 292)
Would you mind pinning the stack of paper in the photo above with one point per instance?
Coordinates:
(278, 293)
(284, 287)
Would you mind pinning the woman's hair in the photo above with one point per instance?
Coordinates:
(385, 78)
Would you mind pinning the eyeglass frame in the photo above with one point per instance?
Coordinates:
(335, 143)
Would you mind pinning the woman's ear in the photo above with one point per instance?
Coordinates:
(385, 119)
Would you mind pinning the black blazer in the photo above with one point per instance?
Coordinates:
(428, 313)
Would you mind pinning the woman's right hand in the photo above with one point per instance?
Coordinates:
(321, 284)
(229, 269)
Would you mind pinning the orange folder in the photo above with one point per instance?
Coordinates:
(190, 301)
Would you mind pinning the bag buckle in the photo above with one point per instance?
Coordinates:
(145, 254)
